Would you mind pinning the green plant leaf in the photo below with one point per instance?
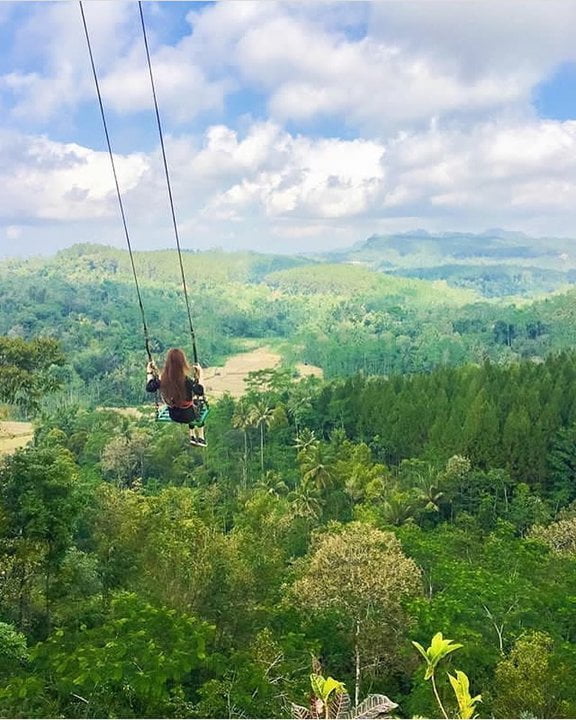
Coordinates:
(466, 703)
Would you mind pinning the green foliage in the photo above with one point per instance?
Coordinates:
(333, 519)
(344, 318)
(330, 700)
(438, 650)
(132, 665)
(40, 497)
(29, 371)
(466, 703)
(532, 679)
(324, 687)
(13, 650)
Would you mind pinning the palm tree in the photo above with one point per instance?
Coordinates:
(260, 415)
(305, 501)
(397, 508)
(241, 420)
(304, 439)
(273, 483)
(428, 493)
(316, 467)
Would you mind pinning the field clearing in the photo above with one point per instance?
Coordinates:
(14, 435)
(231, 377)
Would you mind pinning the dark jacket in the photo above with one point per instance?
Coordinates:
(191, 408)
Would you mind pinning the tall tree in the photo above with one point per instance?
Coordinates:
(361, 574)
(260, 414)
(40, 502)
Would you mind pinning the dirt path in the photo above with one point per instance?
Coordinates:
(14, 435)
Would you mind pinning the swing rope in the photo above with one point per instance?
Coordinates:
(120, 203)
(169, 186)
(118, 194)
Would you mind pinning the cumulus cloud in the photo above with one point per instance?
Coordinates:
(429, 105)
(268, 183)
(183, 89)
(373, 66)
(52, 74)
(402, 62)
(325, 178)
(479, 37)
(47, 180)
(53, 39)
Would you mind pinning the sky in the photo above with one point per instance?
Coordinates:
(289, 126)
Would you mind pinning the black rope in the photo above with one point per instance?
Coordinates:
(192, 333)
(119, 196)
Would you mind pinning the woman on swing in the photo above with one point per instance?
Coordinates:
(181, 389)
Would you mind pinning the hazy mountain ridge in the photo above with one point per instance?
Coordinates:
(495, 262)
(215, 269)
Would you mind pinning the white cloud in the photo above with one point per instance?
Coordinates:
(182, 88)
(477, 37)
(46, 180)
(52, 40)
(286, 175)
(54, 37)
(376, 66)
(269, 185)
(309, 67)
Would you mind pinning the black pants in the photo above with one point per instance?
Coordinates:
(186, 416)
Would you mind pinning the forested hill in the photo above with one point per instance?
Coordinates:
(344, 318)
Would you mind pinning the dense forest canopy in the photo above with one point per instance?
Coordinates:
(427, 485)
(344, 318)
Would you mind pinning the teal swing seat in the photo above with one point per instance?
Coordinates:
(163, 414)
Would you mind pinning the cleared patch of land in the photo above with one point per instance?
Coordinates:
(14, 435)
(231, 378)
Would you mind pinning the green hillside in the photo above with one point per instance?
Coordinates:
(211, 267)
(353, 281)
(495, 263)
(344, 318)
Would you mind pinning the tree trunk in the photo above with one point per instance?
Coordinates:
(245, 468)
(47, 598)
(262, 447)
(357, 658)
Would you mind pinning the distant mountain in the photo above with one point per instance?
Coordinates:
(496, 262)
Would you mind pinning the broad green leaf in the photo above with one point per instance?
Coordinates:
(466, 703)
(317, 682)
(330, 686)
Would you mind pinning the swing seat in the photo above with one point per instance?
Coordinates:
(204, 412)
(163, 415)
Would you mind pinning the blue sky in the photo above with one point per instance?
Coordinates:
(289, 126)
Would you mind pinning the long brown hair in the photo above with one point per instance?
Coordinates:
(173, 377)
